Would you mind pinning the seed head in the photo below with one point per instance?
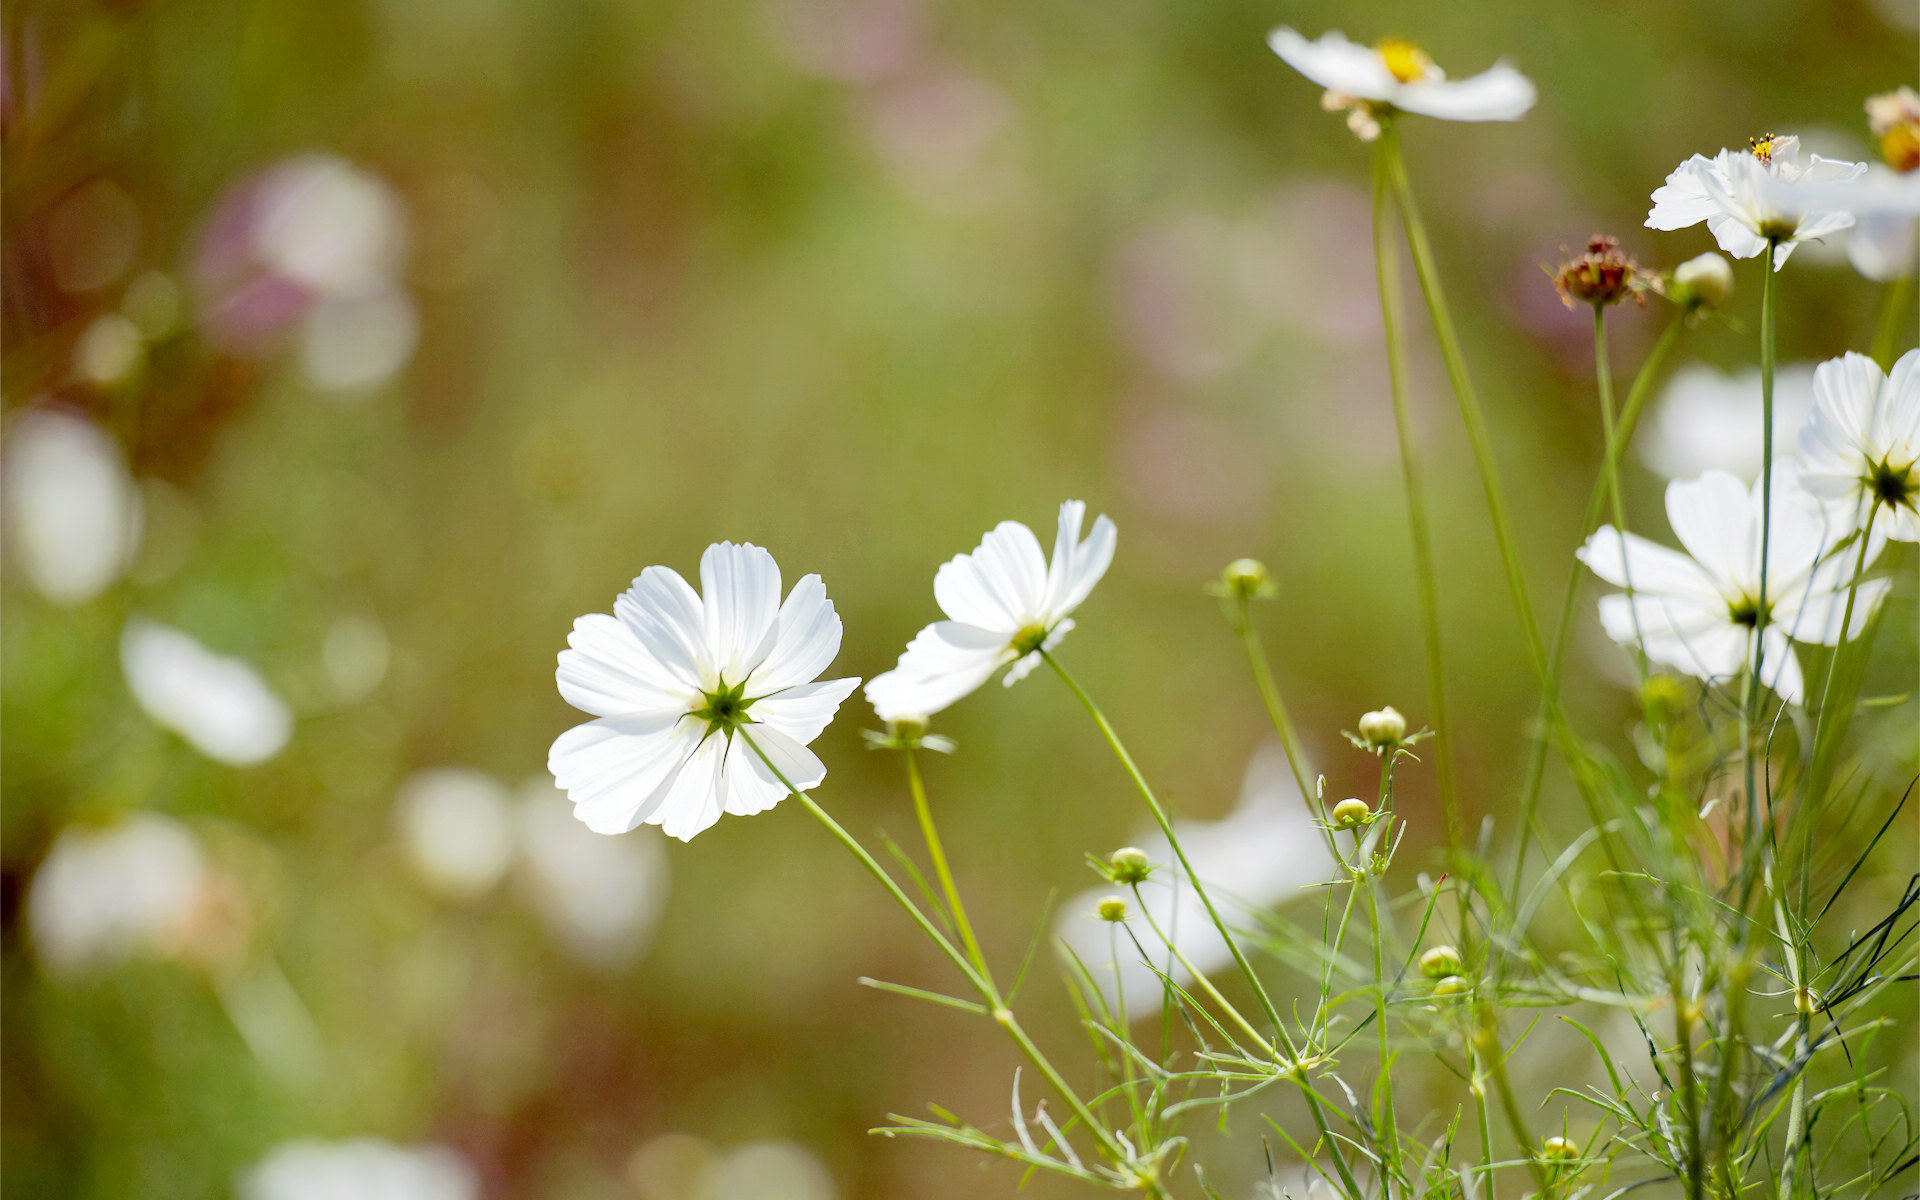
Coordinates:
(1601, 275)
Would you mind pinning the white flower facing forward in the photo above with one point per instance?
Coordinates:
(1750, 198)
(1862, 445)
(1368, 82)
(1698, 614)
(1006, 605)
(220, 705)
(676, 677)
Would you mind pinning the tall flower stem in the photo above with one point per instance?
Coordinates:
(1362, 876)
(1894, 296)
(1002, 1015)
(1241, 611)
(1386, 264)
(1750, 711)
(938, 854)
(1471, 416)
(1610, 467)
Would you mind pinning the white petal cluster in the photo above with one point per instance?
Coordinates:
(1005, 604)
(1394, 76)
(1697, 612)
(220, 705)
(1749, 198)
(364, 1168)
(73, 512)
(1706, 419)
(106, 893)
(732, 651)
(1862, 444)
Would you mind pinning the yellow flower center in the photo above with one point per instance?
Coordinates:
(1900, 147)
(1404, 60)
(1762, 147)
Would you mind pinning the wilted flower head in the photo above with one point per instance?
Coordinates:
(73, 512)
(1894, 118)
(680, 680)
(220, 705)
(366, 1168)
(1602, 274)
(1698, 612)
(1756, 197)
(1369, 83)
(107, 893)
(1861, 447)
(1006, 604)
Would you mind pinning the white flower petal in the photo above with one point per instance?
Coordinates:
(740, 587)
(72, 510)
(1683, 200)
(1336, 63)
(1779, 669)
(1499, 93)
(807, 640)
(667, 616)
(618, 770)
(1712, 518)
(608, 672)
(944, 662)
(802, 712)
(802, 768)
(1701, 642)
(1646, 567)
(697, 797)
(220, 705)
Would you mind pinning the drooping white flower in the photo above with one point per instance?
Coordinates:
(1706, 419)
(105, 894)
(456, 826)
(220, 705)
(1751, 197)
(1371, 81)
(364, 1168)
(73, 512)
(1862, 445)
(1006, 604)
(1255, 857)
(679, 680)
(1697, 612)
(599, 896)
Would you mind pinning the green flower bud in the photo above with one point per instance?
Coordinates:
(1244, 577)
(1440, 962)
(1705, 281)
(1558, 1149)
(1129, 865)
(1452, 985)
(1351, 812)
(1383, 729)
(1114, 909)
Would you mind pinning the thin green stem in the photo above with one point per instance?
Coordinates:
(1468, 400)
(1750, 715)
(1241, 612)
(1388, 1133)
(1610, 473)
(1387, 271)
(1894, 297)
(939, 856)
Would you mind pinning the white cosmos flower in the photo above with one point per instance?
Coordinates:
(677, 678)
(456, 826)
(1696, 612)
(1707, 419)
(363, 1168)
(1862, 445)
(105, 894)
(220, 705)
(1753, 196)
(1006, 605)
(1393, 75)
(73, 512)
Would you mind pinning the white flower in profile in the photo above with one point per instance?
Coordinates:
(73, 513)
(1752, 197)
(456, 826)
(106, 893)
(364, 1168)
(1006, 604)
(220, 705)
(1697, 612)
(1706, 420)
(1263, 852)
(1369, 82)
(599, 896)
(1862, 445)
(679, 682)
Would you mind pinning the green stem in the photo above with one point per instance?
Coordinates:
(939, 856)
(1463, 392)
(1242, 616)
(1750, 711)
(1387, 270)
(1388, 1133)
(1610, 473)
(1894, 295)
(1689, 1082)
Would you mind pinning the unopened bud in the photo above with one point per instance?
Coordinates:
(1129, 865)
(1440, 962)
(910, 726)
(1242, 579)
(1558, 1149)
(1383, 729)
(1452, 985)
(1704, 281)
(1114, 909)
(1351, 812)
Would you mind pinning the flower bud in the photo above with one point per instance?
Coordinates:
(1114, 909)
(1440, 962)
(1383, 729)
(1242, 579)
(1351, 812)
(1452, 985)
(1558, 1149)
(1128, 865)
(913, 726)
(1704, 281)
(1601, 275)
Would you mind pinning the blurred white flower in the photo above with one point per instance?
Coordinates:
(110, 349)
(363, 1168)
(1753, 196)
(679, 682)
(1370, 81)
(105, 894)
(73, 512)
(359, 340)
(328, 225)
(1862, 446)
(599, 896)
(1006, 604)
(355, 655)
(1263, 852)
(769, 1171)
(457, 829)
(220, 705)
(1708, 420)
(1698, 614)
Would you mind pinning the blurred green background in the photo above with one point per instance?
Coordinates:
(850, 279)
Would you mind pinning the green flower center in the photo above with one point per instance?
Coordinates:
(1894, 486)
(1746, 611)
(724, 710)
(1029, 639)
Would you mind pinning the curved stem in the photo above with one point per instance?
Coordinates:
(1387, 272)
(1242, 614)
